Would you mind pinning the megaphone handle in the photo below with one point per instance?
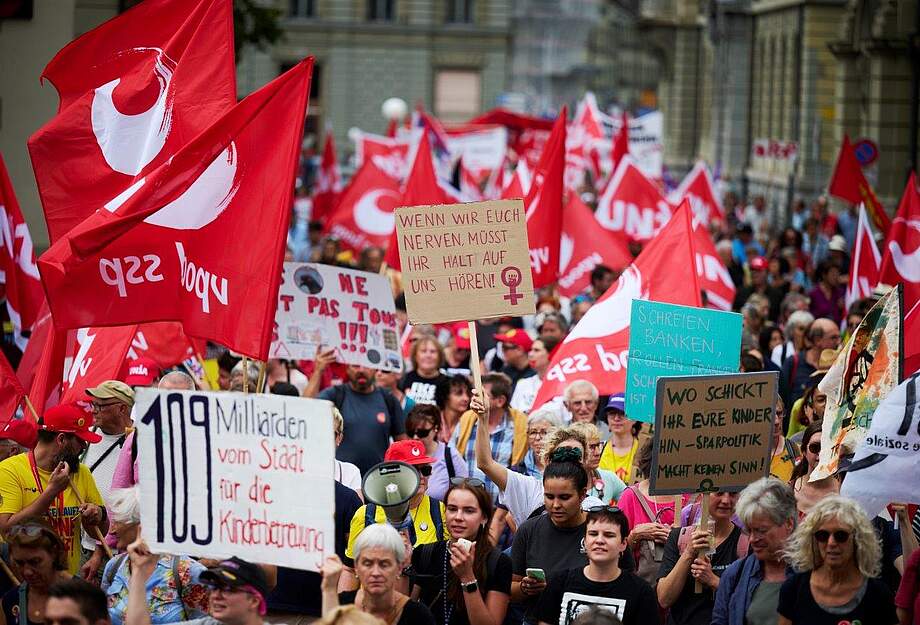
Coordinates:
(474, 354)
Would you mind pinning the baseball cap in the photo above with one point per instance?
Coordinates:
(408, 451)
(616, 402)
(837, 244)
(70, 418)
(24, 432)
(516, 337)
(235, 573)
(462, 336)
(142, 372)
(113, 389)
(758, 263)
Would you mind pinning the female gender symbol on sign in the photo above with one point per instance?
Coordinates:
(511, 278)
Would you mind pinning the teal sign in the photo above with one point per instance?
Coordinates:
(668, 340)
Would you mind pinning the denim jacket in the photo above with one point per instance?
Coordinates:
(736, 588)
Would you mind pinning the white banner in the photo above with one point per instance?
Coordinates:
(333, 307)
(646, 145)
(479, 149)
(224, 474)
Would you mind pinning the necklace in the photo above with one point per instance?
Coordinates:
(391, 613)
(447, 605)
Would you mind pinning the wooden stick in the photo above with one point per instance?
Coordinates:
(9, 572)
(260, 386)
(474, 355)
(96, 529)
(245, 375)
(214, 384)
(31, 408)
(678, 504)
(704, 522)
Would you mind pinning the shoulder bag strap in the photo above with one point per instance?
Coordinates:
(449, 462)
(23, 604)
(644, 503)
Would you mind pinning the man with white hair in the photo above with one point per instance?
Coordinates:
(581, 401)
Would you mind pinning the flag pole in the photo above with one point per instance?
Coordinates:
(214, 387)
(474, 355)
(31, 408)
(261, 383)
(96, 530)
(245, 374)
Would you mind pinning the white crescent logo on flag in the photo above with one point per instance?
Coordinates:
(908, 265)
(566, 248)
(370, 217)
(130, 142)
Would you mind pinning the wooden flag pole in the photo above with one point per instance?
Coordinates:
(474, 355)
(31, 408)
(704, 523)
(678, 500)
(96, 530)
(245, 375)
(260, 386)
(215, 386)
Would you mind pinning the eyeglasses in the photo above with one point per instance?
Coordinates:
(537, 433)
(419, 433)
(29, 531)
(475, 482)
(840, 536)
(814, 448)
(97, 406)
(594, 509)
(424, 470)
(225, 588)
(583, 402)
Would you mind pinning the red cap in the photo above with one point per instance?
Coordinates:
(516, 337)
(758, 263)
(142, 372)
(71, 419)
(462, 335)
(21, 431)
(410, 451)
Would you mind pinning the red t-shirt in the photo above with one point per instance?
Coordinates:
(908, 597)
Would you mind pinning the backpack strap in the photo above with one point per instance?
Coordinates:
(434, 508)
(114, 570)
(449, 462)
(24, 604)
(644, 503)
(391, 403)
(370, 514)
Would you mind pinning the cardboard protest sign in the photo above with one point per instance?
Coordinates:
(224, 474)
(669, 340)
(712, 432)
(462, 262)
(333, 307)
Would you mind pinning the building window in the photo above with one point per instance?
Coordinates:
(380, 10)
(457, 94)
(459, 11)
(301, 8)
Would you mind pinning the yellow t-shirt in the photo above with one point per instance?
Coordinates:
(18, 490)
(424, 525)
(621, 466)
(782, 464)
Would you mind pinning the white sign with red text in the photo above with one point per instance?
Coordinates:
(336, 308)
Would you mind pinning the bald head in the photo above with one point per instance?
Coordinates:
(177, 381)
(824, 334)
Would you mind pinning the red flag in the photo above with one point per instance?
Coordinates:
(94, 355)
(620, 142)
(133, 92)
(584, 133)
(632, 204)
(901, 263)
(181, 245)
(713, 276)
(496, 183)
(864, 263)
(469, 184)
(45, 390)
(597, 347)
(165, 342)
(364, 215)
(11, 391)
(697, 187)
(390, 155)
(519, 184)
(848, 183)
(585, 246)
(18, 272)
(28, 364)
(526, 135)
(328, 185)
(544, 208)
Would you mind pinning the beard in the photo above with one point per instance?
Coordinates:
(72, 460)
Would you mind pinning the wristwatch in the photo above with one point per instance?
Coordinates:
(471, 587)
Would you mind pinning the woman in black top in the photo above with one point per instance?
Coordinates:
(41, 560)
(475, 578)
(427, 357)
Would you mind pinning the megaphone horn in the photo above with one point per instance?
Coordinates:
(391, 485)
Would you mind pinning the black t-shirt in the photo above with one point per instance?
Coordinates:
(691, 608)
(414, 613)
(798, 605)
(420, 389)
(569, 593)
(428, 562)
(299, 591)
(368, 422)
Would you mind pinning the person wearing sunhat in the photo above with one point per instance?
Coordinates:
(237, 590)
(427, 514)
(41, 483)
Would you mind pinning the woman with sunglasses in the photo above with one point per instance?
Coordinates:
(600, 583)
(807, 493)
(838, 556)
(424, 423)
(464, 581)
(38, 554)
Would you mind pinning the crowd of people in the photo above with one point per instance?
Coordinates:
(523, 514)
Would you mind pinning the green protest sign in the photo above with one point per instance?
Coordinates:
(669, 340)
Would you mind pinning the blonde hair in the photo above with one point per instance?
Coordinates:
(338, 422)
(557, 436)
(349, 615)
(589, 430)
(801, 551)
(417, 345)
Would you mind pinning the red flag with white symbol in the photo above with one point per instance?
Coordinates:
(585, 246)
(364, 215)
(544, 208)
(632, 204)
(199, 240)
(901, 263)
(94, 355)
(864, 263)
(19, 278)
(389, 154)
(698, 189)
(328, 185)
(597, 348)
(133, 91)
(519, 184)
(620, 142)
(848, 183)
(165, 342)
(713, 276)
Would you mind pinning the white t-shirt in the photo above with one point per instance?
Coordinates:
(525, 392)
(104, 471)
(348, 475)
(522, 495)
(777, 355)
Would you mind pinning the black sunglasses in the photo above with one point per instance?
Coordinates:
(814, 448)
(424, 469)
(419, 433)
(475, 482)
(840, 536)
(593, 509)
